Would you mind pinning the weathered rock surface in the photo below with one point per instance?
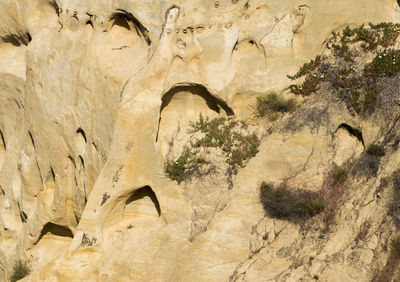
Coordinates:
(95, 98)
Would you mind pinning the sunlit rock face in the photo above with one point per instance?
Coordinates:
(95, 98)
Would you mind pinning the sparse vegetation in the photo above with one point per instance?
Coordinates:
(309, 86)
(186, 161)
(226, 134)
(376, 150)
(20, 270)
(395, 244)
(272, 106)
(360, 90)
(282, 202)
(307, 68)
(340, 175)
(385, 63)
(394, 206)
(332, 191)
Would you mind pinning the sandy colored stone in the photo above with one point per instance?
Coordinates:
(95, 97)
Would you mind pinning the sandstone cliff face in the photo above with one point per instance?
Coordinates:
(97, 96)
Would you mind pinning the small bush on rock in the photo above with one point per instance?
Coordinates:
(20, 270)
(272, 105)
(385, 63)
(358, 89)
(395, 243)
(376, 150)
(340, 175)
(368, 163)
(230, 136)
(282, 202)
(307, 68)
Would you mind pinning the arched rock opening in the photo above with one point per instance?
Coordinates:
(52, 241)
(55, 230)
(127, 20)
(139, 207)
(352, 131)
(142, 193)
(348, 142)
(183, 104)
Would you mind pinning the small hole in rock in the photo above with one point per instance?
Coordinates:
(89, 23)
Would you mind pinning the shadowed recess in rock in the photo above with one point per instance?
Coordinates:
(17, 39)
(55, 229)
(352, 131)
(3, 142)
(141, 194)
(32, 140)
(138, 207)
(55, 6)
(184, 103)
(89, 22)
(81, 132)
(122, 19)
(199, 90)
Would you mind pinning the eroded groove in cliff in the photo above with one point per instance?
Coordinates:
(32, 140)
(3, 141)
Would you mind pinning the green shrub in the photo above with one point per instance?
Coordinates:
(281, 202)
(340, 175)
(223, 133)
(186, 161)
(383, 34)
(307, 68)
(385, 63)
(395, 243)
(376, 150)
(390, 33)
(309, 86)
(272, 104)
(20, 270)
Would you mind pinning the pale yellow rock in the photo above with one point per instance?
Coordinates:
(95, 97)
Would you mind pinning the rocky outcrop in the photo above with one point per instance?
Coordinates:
(98, 97)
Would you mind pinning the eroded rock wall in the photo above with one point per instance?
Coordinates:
(96, 96)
